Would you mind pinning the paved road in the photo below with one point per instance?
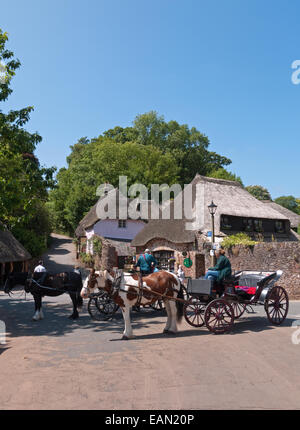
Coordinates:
(62, 364)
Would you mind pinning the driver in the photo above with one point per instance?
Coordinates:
(221, 270)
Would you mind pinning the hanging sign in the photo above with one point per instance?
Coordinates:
(187, 262)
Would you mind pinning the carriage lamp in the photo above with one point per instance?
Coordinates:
(212, 210)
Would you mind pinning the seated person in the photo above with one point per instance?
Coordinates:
(221, 270)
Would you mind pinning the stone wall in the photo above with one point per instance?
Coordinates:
(271, 256)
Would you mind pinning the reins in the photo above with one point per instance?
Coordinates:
(52, 289)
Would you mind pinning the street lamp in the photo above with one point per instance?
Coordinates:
(212, 210)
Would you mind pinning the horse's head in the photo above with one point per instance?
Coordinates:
(9, 284)
(95, 281)
(14, 279)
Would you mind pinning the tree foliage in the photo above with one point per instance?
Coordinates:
(23, 182)
(152, 151)
(259, 192)
(289, 202)
(224, 174)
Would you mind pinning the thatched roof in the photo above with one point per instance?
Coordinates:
(123, 249)
(11, 250)
(229, 196)
(294, 218)
(92, 217)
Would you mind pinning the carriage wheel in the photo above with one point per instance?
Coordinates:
(158, 305)
(194, 313)
(94, 311)
(219, 316)
(238, 309)
(106, 305)
(277, 305)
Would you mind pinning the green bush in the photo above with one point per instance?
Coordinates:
(238, 239)
(34, 243)
(97, 246)
(87, 258)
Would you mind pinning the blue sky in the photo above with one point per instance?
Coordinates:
(221, 66)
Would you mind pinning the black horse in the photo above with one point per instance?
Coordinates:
(52, 285)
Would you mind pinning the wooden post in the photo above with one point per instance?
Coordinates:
(11, 267)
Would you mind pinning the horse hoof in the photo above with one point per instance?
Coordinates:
(124, 337)
(73, 317)
(170, 332)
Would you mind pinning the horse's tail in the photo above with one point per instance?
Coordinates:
(78, 296)
(179, 304)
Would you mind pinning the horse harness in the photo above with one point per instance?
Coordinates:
(116, 288)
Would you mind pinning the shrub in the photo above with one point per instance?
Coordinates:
(97, 246)
(238, 239)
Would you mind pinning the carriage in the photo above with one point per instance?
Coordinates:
(212, 304)
(240, 292)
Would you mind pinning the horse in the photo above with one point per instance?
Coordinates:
(53, 285)
(126, 293)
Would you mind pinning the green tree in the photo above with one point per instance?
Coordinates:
(104, 160)
(188, 146)
(224, 174)
(23, 182)
(289, 202)
(259, 192)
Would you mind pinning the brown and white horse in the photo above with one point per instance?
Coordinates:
(124, 290)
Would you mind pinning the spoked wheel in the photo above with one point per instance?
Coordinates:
(219, 316)
(238, 309)
(106, 305)
(194, 313)
(94, 311)
(158, 305)
(101, 306)
(277, 305)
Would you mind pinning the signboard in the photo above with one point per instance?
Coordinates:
(209, 234)
(187, 262)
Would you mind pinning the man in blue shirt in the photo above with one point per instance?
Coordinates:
(146, 263)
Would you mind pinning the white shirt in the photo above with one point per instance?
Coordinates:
(180, 274)
(40, 268)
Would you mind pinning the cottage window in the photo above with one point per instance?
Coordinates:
(248, 225)
(225, 224)
(122, 223)
(258, 225)
(279, 227)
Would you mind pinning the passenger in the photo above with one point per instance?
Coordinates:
(41, 269)
(146, 263)
(180, 274)
(77, 270)
(222, 269)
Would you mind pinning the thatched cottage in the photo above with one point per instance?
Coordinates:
(292, 216)
(13, 256)
(173, 240)
(115, 233)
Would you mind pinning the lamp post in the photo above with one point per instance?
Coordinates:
(212, 210)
